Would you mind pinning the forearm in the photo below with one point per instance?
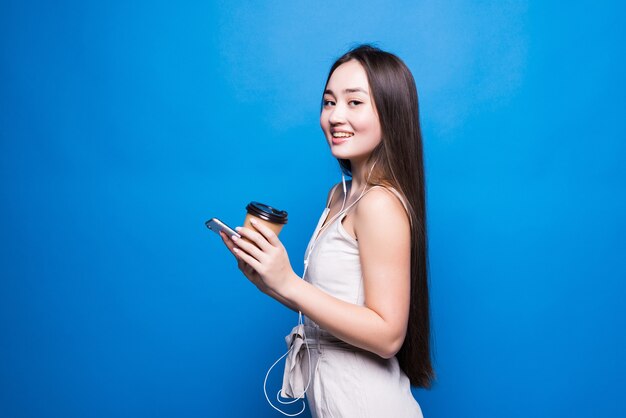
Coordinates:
(282, 300)
(357, 325)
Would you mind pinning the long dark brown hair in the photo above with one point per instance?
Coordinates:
(400, 164)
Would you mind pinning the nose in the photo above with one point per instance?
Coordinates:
(337, 115)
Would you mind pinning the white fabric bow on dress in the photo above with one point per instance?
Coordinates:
(293, 380)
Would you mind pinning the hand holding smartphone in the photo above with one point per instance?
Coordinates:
(266, 215)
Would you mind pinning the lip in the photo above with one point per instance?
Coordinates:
(337, 141)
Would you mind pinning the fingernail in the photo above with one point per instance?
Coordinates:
(252, 221)
(238, 229)
(234, 237)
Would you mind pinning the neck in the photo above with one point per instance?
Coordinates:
(360, 172)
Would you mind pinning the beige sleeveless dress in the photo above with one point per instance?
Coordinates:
(346, 381)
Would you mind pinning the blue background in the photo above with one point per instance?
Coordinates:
(125, 125)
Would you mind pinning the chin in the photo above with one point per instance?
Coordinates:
(341, 155)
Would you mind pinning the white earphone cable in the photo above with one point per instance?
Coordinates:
(301, 322)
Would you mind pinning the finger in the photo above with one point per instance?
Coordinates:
(249, 248)
(227, 241)
(269, 235)
(231, 247)
(253, 236)
(225, 236)
(249, 260)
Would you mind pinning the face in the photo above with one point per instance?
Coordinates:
(349, 119)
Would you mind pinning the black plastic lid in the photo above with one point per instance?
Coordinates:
(267, 213)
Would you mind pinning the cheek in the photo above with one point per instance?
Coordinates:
(323, 121)
(369, 125)
(378, 132)
(373, 136)
(375, 127)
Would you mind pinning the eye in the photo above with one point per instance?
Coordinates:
(354, 102)
(327, 102)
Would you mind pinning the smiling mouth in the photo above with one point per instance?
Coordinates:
(342, 134)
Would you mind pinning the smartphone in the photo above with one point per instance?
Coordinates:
(216, 226)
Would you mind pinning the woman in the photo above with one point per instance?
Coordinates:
(365, 292)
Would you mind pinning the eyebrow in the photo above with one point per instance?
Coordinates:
(351, 90)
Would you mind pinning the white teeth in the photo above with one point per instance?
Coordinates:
(342, 134)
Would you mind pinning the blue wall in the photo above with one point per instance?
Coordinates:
(125, 125)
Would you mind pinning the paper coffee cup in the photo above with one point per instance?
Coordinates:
(271, 217)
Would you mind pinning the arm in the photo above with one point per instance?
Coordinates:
(384, 246)
(384, 243)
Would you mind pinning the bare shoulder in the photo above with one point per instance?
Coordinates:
(381, 211)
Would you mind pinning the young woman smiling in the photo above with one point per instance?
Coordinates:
(364, 294)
